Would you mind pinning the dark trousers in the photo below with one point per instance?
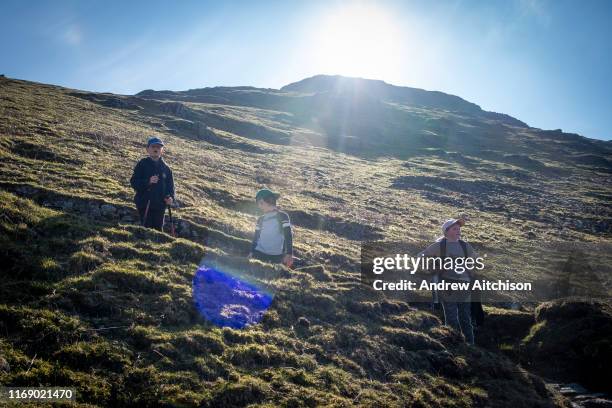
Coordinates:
(458, 313)
(154, 217)
(267, 258)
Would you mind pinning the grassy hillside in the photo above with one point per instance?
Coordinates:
(91, 299)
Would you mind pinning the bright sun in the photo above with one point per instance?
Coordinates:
(358, 40)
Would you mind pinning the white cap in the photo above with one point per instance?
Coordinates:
(449, 223)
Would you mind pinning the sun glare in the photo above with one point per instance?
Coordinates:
(358, 40)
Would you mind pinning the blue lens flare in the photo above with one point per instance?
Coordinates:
(228, 301)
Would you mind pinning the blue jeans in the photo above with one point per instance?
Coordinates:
(458, 315)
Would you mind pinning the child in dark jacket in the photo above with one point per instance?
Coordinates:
(273, 240)
(154, 185)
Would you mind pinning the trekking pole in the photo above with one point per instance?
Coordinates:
(146, 213)
(172, 231)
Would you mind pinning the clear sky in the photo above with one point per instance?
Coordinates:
(546, 62)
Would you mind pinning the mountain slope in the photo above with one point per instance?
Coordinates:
(449, 139)
(403, 95)
(368, 117)
(93, 300)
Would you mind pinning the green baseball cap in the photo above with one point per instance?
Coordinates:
(265, 193)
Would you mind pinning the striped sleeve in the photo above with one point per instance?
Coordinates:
(257, 233)
(287, 233)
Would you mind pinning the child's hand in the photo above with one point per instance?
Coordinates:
(154, 179)
(288, 260)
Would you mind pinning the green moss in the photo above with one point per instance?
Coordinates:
(121, 276)
(81, 262)
(139, 387)
(411, 340)
(49, 265)
(96, 244)
(253, 355)
(117, 234)
(21, 211)
(198, 343)
(212, 368)
(338, 381)
(39, 331)
(534, 331)
(246, 390)
(144, 336)
(186, 251)
(242, 336)
(97, 354)
(128, 251)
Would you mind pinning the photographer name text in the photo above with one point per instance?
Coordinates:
(481, 285)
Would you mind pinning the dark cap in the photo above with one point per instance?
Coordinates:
(155, 141)
(265, 193)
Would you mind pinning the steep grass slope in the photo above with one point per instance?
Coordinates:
(92, 300)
